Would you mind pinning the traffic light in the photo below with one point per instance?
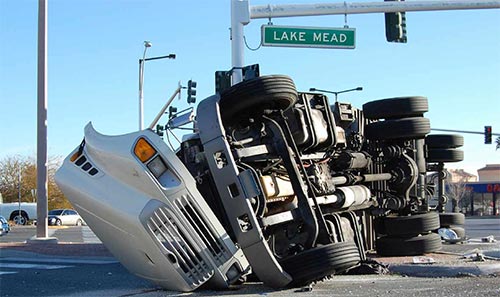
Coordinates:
(171, 111)
(395, 26)
(159, 130)
(191, 92)
(487, 134)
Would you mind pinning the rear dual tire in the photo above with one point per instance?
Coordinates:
(408, 246)
(317, 263)
(408, 235)
(398, 129)
(394, 108)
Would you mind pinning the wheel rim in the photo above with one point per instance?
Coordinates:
(19, 220)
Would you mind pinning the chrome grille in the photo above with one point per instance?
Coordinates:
(182, 252)
(214, 244)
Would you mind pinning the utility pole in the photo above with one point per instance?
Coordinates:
(41, 153)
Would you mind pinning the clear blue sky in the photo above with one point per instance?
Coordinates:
(452, 57)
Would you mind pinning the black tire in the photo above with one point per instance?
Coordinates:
(411, 225)
(459, 230)
(408, 246)
(444, 141)
(444, 155)
(403, 129)
(451, 219)
(79, 222)
(251, 97)
(316, 263)
(58, 223)
(20, 219)
(399, 107)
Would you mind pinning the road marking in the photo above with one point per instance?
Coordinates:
(88, 236)
(7, 272)
(59, 260)
(32, 266)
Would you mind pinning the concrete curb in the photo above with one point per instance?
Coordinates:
(431, 270)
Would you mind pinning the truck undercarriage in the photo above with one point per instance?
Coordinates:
(301, 187)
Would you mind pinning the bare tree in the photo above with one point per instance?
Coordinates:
(13, 167)
(456, 187)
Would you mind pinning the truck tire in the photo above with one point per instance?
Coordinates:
(444, 155)
(459, 230)
(411, 225)
(19, 219)
(444, 141)
(399, 107)
(408, 246)
(398, 129)
(317, 263)
(451, 219)
(251, 97)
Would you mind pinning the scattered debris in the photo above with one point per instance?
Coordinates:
(465, 274)
(369, 266)
(447, 234)
(489, 239)
(307, 288)
(475, 255)
(423, 260)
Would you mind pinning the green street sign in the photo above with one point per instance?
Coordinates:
(308, 37)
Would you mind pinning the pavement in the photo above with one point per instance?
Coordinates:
(470, 258)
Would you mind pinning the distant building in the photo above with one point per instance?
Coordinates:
(483, 194)
(489, 173)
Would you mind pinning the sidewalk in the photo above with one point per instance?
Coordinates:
(60, 249)
(481, 259)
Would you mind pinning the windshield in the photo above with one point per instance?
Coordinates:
(56, 212)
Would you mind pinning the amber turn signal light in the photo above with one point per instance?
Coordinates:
(143, 150)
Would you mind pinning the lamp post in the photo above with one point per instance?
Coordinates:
(147, 44)
(336, 93)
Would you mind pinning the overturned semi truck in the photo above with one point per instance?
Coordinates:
(270, 181)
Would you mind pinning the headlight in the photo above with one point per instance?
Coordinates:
(157, 166)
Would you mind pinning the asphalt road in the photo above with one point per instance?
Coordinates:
(82, 278)
(25, 273)
(482, 227)
(67, 234)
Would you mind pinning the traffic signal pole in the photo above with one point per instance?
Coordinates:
(242, 13)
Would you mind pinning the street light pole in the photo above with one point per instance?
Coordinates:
(336, 93)
(41, 152)
(147, 44)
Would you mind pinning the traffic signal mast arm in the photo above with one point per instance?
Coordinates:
(291, 10)
(242, 13)
(487, 133)
(466, 132)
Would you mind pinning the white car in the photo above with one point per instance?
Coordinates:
(64, 217)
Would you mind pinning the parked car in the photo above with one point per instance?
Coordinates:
(64, 217)
(4, 226)
(272, 177)
(19, 213)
